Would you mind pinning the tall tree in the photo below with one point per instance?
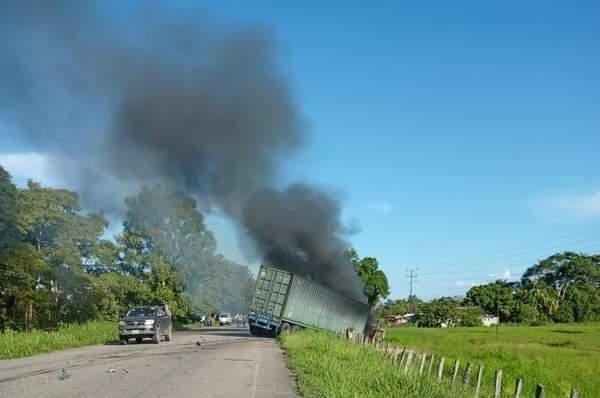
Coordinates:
(8, 202)
(375, 282)
(164, 230)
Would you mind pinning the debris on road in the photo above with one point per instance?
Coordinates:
(126, 370)
(198, 343)
(111, 370)
(64, 375)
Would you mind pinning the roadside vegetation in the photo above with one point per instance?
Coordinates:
(563, 288)
(57, 267)
(560, 356)
(16, 344)
(329, 367)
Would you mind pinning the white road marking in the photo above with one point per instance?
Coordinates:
(255, 381)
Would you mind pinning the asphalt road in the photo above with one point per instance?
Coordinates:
(227, 363)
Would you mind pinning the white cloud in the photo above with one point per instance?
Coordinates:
(586, 205)
(34, 165)
(506, 274)
(381, 207)
(460, 283)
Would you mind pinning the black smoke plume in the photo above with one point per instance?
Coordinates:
(121, 99)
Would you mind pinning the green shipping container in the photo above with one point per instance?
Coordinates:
(283, 299)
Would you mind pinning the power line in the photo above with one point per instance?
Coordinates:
(499, 256)
(516, 255)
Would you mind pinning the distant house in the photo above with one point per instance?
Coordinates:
(399, 320)
(489, 320)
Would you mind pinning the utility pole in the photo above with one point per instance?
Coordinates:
(497, 307)
(412, 277)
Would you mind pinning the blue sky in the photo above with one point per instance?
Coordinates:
(462, 136)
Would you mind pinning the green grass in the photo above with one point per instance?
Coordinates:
(17, 344)
(329, 367)
(558, 356)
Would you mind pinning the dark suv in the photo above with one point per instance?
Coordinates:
(145, 322)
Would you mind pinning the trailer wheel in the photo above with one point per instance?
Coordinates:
(285, 328)
(296, 328)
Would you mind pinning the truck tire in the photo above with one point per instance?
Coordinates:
(169, 335)
(296, 328)
(138, 340)
(123, 340)
(254, 331)
(285, 328)
(156, 337)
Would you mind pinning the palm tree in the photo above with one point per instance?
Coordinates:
(543, 297)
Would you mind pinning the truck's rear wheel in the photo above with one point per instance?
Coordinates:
(285, 328)
(169, 335)
(156, 337)
(296, 328)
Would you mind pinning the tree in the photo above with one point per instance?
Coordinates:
(374, 280)
(470, 316)
(493, 297)
(438, 312)
(394, 307)
(21, 267)
(164, 233)
(8, 201)
(565, 270)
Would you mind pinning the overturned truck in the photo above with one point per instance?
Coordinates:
(285, 301)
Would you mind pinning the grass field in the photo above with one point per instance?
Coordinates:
(15, 345)
(329, 367)
(558, 356)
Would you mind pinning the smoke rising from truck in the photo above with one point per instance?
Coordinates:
(152, 95)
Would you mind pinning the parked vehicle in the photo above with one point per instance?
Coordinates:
(145, 322)
(286, 301)
(225, 318)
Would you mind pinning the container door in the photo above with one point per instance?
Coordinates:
(271, 290)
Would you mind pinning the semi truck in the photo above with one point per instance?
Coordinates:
(285, 301)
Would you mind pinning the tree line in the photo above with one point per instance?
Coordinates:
(564, 287)
(57, 266)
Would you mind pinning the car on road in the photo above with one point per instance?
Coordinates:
(145, 322)
(225, 318)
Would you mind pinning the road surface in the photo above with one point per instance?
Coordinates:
(227, 363)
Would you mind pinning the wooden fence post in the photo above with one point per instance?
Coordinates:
(403, 357)
(455, 371)
(431, 359)
(539, 391)
(518, 388)
(467, 375)
(498, 384)
(479, 378)
(440, 373)
(422, 366)
(408, 361)
(574, 393)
